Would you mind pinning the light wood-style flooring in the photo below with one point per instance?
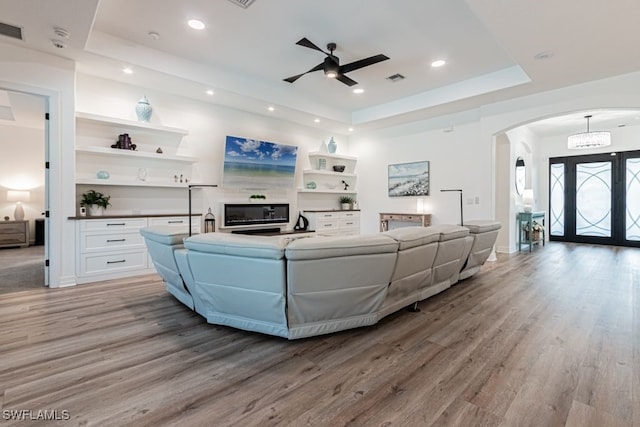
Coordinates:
(550, 338)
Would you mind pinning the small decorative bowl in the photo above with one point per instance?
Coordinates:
(339, 168)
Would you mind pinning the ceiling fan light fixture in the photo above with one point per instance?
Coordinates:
(331, 68)
(589, 139)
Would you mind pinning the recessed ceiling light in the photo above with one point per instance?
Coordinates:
(196, 24)
(350, 129)
(358, 90)
(127, 70)
(209, 92)
(271, 108)
(316, 120)
(438, 63)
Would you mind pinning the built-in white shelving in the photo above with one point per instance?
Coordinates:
(326, 180)
(142, 167)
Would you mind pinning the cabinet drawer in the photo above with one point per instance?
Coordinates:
(350, 223)
(327, 225)
(113, 224)
(13, 227)
(325, 216)
(13, 238)
(350, 215)
(92, 242)
(177, 221)
(391, 217)
(111, 263)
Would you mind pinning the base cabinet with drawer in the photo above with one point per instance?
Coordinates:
(111, 248)
(333, 223)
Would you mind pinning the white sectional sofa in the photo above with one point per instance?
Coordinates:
(301, 286)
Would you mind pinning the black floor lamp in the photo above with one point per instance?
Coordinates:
(195, 186)
(461, 214)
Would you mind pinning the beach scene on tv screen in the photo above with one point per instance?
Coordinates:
(251, 163)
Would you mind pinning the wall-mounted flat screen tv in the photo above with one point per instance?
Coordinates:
(254, 164)
(255, 214)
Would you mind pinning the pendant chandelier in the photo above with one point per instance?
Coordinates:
(589, 139)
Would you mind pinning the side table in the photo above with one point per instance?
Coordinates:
(525, 219)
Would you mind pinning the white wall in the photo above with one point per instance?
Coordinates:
(22, 166)
(458, 160)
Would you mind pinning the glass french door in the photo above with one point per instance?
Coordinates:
(595, 198)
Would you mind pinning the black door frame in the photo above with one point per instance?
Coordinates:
(618, 197)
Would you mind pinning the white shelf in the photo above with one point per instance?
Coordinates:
(332, 156)
(130, 124)
(116, 152)
(130, 183)
(321, 191)
(328, 173)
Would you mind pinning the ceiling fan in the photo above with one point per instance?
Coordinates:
(331, 64)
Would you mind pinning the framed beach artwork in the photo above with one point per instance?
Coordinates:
(254, 164)
(409, 179)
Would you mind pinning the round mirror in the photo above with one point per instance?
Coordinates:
(521, 175)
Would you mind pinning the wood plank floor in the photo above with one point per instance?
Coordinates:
(550, 338)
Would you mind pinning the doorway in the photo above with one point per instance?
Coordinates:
(23, 190)
(595, 198)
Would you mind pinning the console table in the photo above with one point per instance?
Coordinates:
(526, 219)
(421, 218)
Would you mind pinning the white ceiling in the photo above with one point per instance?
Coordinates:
(490, 47)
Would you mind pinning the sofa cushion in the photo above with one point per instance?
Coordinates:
(450, 232)
(165, 234)
(482, 226)
(330, 247)
(410, 237)
(271, 247)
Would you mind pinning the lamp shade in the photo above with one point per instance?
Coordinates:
(18, 196)
(527, 199)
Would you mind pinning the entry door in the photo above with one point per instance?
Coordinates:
(595, 198)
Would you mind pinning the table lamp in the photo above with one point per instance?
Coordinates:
(527, 199)
(18, 197)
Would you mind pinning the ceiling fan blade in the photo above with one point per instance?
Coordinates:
(294, 78)
(346, 80)
(362, 63)
(307, 43)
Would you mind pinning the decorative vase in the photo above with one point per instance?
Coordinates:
(95, 210)
(103, 175)
(144, 109)
(332, 146)
(323, 148)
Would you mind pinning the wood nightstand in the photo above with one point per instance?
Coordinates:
(14, 233)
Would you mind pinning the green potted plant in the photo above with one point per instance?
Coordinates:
(257, 197)
(95, 202)
(346, 202)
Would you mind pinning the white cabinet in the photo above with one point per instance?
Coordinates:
(112, 248)
(333, 223)
(325, 179)
(144, 167)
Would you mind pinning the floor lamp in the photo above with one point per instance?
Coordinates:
(195, 186)
(461, 213)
